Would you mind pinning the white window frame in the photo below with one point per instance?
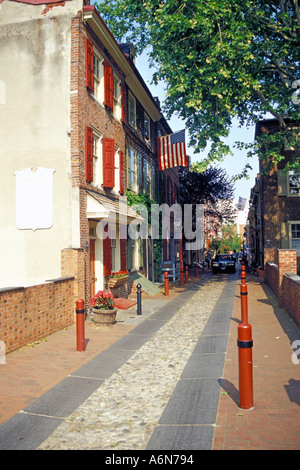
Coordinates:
(291, 223)
(131, 168)
(97, 159)
(117, 98)
(98, 62)
(146, 172)
(131, 109)
(296, 188)
(116, 187)
(147, 128)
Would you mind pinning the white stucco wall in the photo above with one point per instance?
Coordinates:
(35, 132)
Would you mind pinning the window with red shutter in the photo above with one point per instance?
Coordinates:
(122, 172)
(89, 154)
(108, 86)
(106, 254)
(108, 163)
(89, 57)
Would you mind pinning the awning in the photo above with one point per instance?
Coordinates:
(111, 210)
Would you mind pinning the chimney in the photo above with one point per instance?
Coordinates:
(129, 50)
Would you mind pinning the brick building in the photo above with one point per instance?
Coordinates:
(78, 128)
(274, 215)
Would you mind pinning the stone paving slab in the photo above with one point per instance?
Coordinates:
(184, 438)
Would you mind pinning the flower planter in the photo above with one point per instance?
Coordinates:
(117, 281)
(105, 317)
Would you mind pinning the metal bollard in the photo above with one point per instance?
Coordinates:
(245, 344)
(186, 274)
(197, 273)
(139, 299)
(166, 275)
(80, 325)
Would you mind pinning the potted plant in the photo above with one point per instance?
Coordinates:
(118, 278)
(104, 310)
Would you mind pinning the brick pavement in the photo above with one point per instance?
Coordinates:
(274, 421)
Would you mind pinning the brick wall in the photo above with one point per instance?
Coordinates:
(291, 287)
(283, 280)
(29, 314)
(271, 276)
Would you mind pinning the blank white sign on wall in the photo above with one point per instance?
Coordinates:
(34, 198)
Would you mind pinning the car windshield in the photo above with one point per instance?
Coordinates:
(224, 257)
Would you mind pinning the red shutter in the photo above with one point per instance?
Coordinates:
(89, 58)
(123, 102)
(122, 172)
(108, 163)
(89, 154)
(108, 86)
(106, 254)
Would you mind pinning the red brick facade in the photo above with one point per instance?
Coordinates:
(281, 276)
(30, 314)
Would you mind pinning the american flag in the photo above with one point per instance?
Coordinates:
(171, 150)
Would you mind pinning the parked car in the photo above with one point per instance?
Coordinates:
(223, 263)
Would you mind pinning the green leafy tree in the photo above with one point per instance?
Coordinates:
(231, 239)
(220, 60)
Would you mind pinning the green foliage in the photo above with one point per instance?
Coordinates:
(220, 60)
(231, 240)
(144, 201)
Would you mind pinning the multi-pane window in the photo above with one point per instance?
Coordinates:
(147, 127)
(146, 177)
(131, 110)
(294, 182)
(98, 76)
(131, 168)
(117, 98)
(96, 175)
(295, 232)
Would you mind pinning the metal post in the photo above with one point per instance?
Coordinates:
(139, 299)
(197, 273)
(186, 273)
(245, 344)
(80, 334)
(166, 275)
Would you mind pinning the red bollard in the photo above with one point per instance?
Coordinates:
(166, 283)
(245, 344)
(186, 274)
(244, 293)
(80, 325)
(197, 270)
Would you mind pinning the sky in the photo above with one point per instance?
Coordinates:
(232, 164)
